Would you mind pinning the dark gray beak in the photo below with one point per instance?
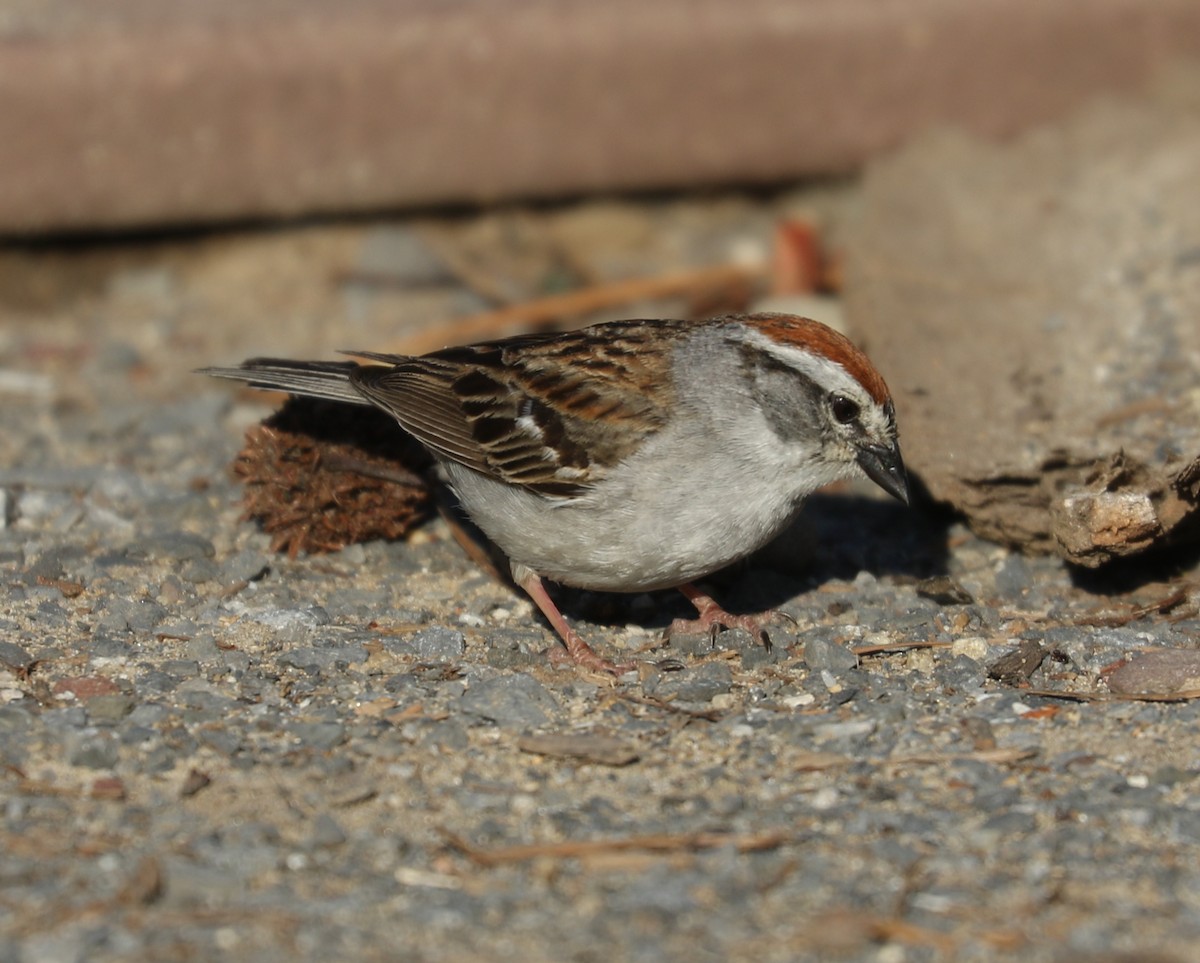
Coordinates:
(885, 468)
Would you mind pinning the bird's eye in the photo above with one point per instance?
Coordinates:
(844, 410)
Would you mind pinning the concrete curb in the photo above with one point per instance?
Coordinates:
(124, 114)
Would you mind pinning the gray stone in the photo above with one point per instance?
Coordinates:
(15, 657)
(223, 740)
(52, 563)
(959, 673)
(822, 653)
(510, 701)
(293, 624)
(181, 668)
(108, 710)
(317, 735)
(848, 734)
(188, 884)
(439, 644)
(14, 719)
(64, 718)
(694, 684)
(1007, 824)
(175, 546)
(107, 644)
(97, 751)
(199, 570)
(138, 736)
(1014, 577)
(245, 566)
(403, 685)
(159, 759)
(202, 648)
(667, 894)
(131, 615)
(236, 662)
(755, 654)
(121, 486)
(155, 682)
(692, 644)
(55, 510)
(326, 832)
(198, 694)
(324, 658)
(516, 646)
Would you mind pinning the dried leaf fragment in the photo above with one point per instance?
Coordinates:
(320, 476)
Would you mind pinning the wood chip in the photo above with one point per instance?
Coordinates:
(68, 588)
(1015, 667)
(194, 782)
(944, 590)
(587, 747)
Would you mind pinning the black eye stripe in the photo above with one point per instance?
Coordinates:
(844, 410)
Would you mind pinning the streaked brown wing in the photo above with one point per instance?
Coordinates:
(548, 412)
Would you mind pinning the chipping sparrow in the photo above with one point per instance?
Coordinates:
(630, 455)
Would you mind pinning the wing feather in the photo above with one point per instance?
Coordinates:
(549, 412)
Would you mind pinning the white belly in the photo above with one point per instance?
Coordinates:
(651, 523)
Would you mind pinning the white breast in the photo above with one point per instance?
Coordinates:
(683, 507)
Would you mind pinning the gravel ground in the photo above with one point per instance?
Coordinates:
(210, 751)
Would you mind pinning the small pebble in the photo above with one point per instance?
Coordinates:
(509, 701)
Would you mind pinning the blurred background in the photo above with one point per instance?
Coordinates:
(131, 115)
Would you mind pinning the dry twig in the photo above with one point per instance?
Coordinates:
(862, 650)
(549, 310)
(1184, 695)
(582, 849)
(1118, 619)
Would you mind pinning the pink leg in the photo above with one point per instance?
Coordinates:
(713, 618)
(579, 651)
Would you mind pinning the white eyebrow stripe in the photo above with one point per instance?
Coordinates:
(825, 372)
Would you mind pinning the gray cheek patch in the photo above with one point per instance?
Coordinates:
(790, 401)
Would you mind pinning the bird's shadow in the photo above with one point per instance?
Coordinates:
(1124, 576)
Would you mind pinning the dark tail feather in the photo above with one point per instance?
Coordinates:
(313, 379)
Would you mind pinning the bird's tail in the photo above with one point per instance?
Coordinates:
(314, 379)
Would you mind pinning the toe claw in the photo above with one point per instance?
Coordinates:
(715, 619)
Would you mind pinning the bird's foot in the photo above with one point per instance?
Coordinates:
(588, 658)
(713, 619)
(577, 651)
